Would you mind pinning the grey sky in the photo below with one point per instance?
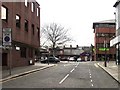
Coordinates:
(77, 15)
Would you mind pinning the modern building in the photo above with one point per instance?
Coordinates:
(116, 40)
(104, 31)
(21, 32)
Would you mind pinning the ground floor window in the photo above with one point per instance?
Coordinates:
(101, 57)
(30, 52)
(23, 52)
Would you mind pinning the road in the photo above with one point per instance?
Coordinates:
(65, 75)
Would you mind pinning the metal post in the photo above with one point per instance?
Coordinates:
(48, 56)
(105, 46)
(10, 63)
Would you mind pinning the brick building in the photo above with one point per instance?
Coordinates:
(104, 31)
(24, 20)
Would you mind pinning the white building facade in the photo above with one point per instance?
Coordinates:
(116, 41)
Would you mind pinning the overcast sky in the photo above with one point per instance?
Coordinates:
(77, 16)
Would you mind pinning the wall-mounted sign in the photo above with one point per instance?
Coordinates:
(103, 49)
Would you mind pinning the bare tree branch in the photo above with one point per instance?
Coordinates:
(56, 34)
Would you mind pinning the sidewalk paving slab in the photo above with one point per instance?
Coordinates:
(20, 71)
(112, 69)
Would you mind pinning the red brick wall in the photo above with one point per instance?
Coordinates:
(101, 40)
(19, 35)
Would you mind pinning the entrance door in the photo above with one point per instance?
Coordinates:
(4, 59)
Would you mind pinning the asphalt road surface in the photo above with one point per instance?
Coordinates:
(65, 75)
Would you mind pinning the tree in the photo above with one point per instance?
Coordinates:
(56, 34)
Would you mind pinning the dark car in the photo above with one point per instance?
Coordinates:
(50, 60)
(64, 59)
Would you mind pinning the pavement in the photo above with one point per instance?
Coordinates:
(20, 71)
(112, 69)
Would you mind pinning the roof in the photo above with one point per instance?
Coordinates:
(107, 21)
(111, 21)
(118, 1)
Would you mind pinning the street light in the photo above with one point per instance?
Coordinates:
(105, 46)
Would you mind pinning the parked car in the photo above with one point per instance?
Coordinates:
(64, 59)
(78, 59)
(71, 59)
(51, 60)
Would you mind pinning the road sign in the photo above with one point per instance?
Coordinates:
(7, 36)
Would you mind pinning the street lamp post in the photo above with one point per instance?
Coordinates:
(105, 46)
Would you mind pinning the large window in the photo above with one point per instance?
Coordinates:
(17, 21)
(32, 7)
(26, 3)
(33, 29)
(105, 35)
(38, 31)
(101, 45)
(106, 25)
(4, 13)
(26, 25)
(37, 11)
(30, 52)
(23, 52)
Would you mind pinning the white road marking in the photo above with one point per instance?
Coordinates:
(92, 85)
(72, 70)
(96, 65)
(64, 79)
(89, 70)
(91, 80)
(90, 76)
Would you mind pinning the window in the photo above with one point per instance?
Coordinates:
(30, 52)
(17, 48)
(4, 13)
(33, 29)
(38, 31)
(37, 11)
(17, 21)
(32, 7)
(100, 45)
(26, 25)
(23, 52)
(26, 3)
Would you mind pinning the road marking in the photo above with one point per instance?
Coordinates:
(64, 79)
(90, 76)
(89, 70)
(92, 85)
(96, 65)
(72, 70)
(75, 66)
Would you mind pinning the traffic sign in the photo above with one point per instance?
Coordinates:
(7, 36)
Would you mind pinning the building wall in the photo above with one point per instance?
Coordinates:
(116, 40)
(102, 34)
(21, 37)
